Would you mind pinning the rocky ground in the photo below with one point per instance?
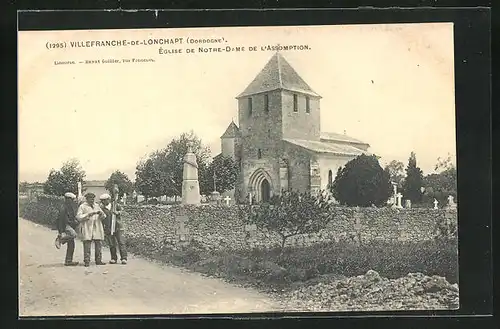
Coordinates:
(371, 292)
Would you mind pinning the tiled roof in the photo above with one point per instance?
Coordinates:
(231, 131)
(277, 74)
(323, 147)
(340, 137)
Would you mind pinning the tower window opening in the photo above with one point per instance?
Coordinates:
(250, 109)
(266, 103)
(308, 105)
(295, 103)
(259, 154)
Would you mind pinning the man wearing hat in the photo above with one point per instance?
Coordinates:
(66, 226)
(90, 216)
(115, 239)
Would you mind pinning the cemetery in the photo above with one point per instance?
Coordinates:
(212, 239)
(210, 235)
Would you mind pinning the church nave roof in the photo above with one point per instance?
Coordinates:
(326, 147)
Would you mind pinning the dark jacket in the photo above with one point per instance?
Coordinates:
(107, 221)
(67, 216)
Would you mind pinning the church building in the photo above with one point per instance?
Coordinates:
(279, 144)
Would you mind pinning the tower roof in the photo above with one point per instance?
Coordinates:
(231, 131)
(277, 74)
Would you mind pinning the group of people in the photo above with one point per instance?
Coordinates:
(91, 222)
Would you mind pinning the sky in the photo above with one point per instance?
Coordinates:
(389, 85)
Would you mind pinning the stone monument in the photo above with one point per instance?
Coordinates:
(436, 204)
(190, 184)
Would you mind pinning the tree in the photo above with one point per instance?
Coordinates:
(174, 164)
(396, 170)
(226, 172)
(151, 181)
(414, 181)
(290, 214)
(161, 173)
(362, 182)
(64, 180)
(123, 182)
(442, 183)
(23, 187)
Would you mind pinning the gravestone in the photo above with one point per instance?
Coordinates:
(408, 203)
(403, 236)
(79, 195)
(357, 222)
(215, 197)
(251, 231)
(399, 196)
(182, 232)
(436, 204)
(451, 203)
(227, 200)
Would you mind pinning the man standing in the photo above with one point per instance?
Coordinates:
(90, 216)
(66, 226)
(114, 239)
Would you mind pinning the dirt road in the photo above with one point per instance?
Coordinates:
(47, 288)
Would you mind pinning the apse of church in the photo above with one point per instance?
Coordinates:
(279, 143)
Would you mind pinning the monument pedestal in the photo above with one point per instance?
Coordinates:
(190, 185)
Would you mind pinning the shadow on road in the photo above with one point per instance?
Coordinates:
(53, 265)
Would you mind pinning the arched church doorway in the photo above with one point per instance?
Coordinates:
(265, 191)
(260, 185)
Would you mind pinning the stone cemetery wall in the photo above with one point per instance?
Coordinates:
(219, 227)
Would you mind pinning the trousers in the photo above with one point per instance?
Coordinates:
(86, 251)
(68, 238)
(117, 240)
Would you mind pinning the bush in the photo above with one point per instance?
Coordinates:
(362, 182)
(43, 211)
(290, 213)
(390, 259)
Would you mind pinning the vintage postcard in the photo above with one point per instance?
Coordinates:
(237, 170)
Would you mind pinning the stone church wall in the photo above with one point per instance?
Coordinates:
(299, 167)
(260, 131)
(327, 163)
(300, 125)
